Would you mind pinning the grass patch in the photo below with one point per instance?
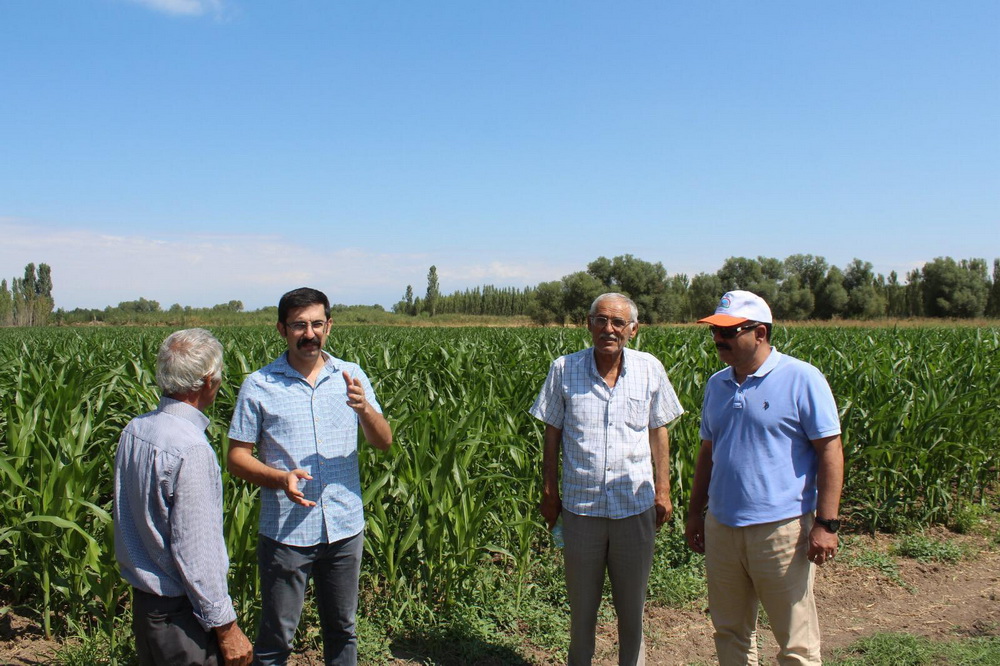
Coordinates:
(678, 574)
(851, 554)
(893, 649)
(505, 619)
(98, 649)
(969, 519)
(923, 548)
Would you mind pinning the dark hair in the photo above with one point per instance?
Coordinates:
(767, 327)
(301, 298)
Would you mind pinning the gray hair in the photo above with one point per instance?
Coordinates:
(185, 359)
(633, 310)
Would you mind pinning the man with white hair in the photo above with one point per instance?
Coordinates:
(168, 516)
(766, 489)
(606, 409)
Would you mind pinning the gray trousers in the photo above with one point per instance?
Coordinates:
(284, 573)
(168, 634)
(624, 548)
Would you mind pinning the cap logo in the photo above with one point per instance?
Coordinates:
(725, 302)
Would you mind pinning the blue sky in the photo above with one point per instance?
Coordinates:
(198, 151)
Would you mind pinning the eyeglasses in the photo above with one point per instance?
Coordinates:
(617, 323)
(730, 332)
(301, 326)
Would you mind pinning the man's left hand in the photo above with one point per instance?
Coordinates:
(822, 544)
(356, 399)
(664, 510)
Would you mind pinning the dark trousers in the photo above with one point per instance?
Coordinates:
(168, 634)
(284, 573)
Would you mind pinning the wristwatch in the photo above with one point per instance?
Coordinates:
(831, 524)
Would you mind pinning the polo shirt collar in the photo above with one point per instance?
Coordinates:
(184, 411)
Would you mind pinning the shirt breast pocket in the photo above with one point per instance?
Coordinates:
(637, 413)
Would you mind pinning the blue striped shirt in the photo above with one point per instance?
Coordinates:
(606, 459)
(297, 425)
(168, 511)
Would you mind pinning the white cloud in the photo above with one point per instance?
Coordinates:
(184, 7)
(91, 269)
(502, 274)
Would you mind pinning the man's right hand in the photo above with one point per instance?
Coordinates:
(236, 648)
(291, 487)
(550, 507)
(695, 532)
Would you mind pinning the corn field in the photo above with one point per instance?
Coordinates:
(458, 490)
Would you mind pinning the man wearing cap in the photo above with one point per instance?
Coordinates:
(766, 489)
(606, 410)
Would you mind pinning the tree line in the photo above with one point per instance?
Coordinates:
(800, 287)
(486, 300)
(28, 300)
(147, 311)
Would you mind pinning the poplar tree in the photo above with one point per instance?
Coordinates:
(993, 303)
(6, 305)
(431, 298)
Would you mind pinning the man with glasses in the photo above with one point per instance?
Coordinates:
(766, 492)
(302, 413)
(606, 410)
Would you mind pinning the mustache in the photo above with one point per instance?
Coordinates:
(307, 343)
(723, 345)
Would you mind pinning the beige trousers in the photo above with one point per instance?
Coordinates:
(624, 548)
(768, 563)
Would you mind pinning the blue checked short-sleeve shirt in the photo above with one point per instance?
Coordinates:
(606, 460)
(297, 425)
(168, 511)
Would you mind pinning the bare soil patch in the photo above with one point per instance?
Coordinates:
(940, 601)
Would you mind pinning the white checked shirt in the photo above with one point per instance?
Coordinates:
(297, 425)
(606, 459)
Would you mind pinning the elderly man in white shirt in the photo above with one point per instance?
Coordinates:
(606, 409)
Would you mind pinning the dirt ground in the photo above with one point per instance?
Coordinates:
(941, 601)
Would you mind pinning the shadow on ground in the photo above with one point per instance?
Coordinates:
(454, 648)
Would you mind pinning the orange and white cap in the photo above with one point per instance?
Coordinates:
(736, 307)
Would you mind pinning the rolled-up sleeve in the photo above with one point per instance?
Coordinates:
(197, 542)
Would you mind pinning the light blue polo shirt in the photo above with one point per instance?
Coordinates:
(763, 461)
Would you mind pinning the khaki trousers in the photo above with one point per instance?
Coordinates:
(768, 563)
(623, 547)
